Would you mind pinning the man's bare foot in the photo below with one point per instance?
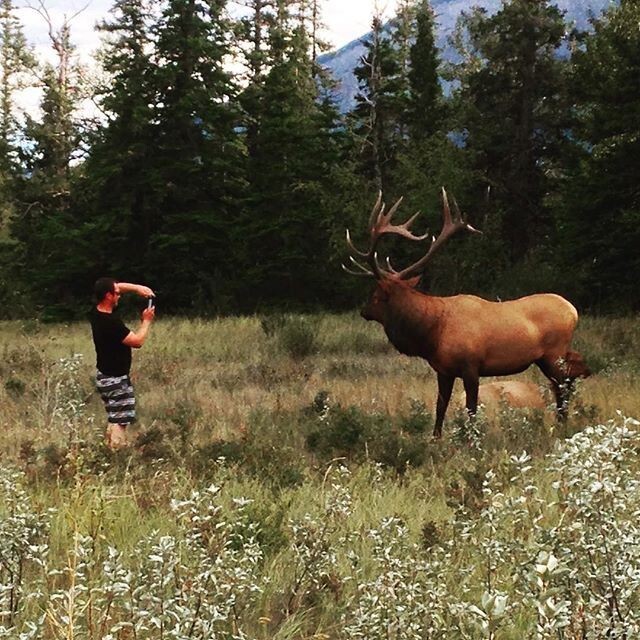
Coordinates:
(116, 436)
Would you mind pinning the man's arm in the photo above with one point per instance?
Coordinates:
(136, 339)
(140, 289)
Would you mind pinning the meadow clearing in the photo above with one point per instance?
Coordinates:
(283, 483)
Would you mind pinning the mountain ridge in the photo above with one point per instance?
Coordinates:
(342, 62)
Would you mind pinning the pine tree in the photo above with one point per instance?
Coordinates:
(600, 204)
(199, 153)
(425, 108)
(403, 35)
(375, 120)
(16, 60)
(44, 226)
(117, 198)
(514, 110)
(252, 43)
(291, 206)
(429, 159)
(426, 158)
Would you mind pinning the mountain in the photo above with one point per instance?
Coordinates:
(342, 62)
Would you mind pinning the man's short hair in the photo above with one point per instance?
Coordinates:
(104, 286)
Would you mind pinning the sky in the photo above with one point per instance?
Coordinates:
(345, 20)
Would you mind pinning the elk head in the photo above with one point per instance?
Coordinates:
(388, 279)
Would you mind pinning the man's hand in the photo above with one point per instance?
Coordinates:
(148, 314)
(145, 292)
(136, 339)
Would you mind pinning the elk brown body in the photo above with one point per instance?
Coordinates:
(465, 336)
(516, 394)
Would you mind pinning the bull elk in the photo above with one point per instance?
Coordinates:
(465, 336)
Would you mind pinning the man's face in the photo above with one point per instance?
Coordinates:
(114, 296)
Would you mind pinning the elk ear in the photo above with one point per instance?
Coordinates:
(413, 282)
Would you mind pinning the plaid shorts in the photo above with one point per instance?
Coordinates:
(118, 397)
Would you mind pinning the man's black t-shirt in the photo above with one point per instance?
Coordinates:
(113, 357)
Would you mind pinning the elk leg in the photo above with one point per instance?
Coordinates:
(471, 383)
(563, 391)
(445, 387)
(561, 384)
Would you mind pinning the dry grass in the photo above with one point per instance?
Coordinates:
(227, 387)
(219, 372)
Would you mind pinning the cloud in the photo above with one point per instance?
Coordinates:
(344, 20)
(82, 19)
(347, 20)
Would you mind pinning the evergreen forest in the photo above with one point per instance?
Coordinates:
(216, 167)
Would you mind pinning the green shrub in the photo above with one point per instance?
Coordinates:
(268, 451)
(272, 323)
(14, 386)
(351, 433)
(298, 336)
(397, 451)
(340, 432)
(522, 428)
(270, 522)
(370, 342)
(154, 444)
(430, 534)
(232, 451)
(321, 403)
(277, 466)
(419, 420)
(469, 431)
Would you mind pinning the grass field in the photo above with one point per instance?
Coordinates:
(282, 483)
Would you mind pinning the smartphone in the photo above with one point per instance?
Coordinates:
(150, 302)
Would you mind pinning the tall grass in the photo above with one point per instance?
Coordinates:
(283, 484)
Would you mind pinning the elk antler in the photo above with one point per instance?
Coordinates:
(380, 224)
(451, 224)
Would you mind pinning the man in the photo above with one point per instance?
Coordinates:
(113, 341)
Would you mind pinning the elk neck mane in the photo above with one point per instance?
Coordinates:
(412, 321)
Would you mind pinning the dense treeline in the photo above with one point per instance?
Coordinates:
(222, 173)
